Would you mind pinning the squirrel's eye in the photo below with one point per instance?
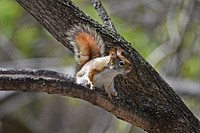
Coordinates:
(121, 63)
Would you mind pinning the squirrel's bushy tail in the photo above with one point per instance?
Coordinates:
(87, 44)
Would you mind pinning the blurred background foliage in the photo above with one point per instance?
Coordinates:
(165, 32)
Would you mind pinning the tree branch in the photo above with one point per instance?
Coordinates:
(103, 15)
(29, 80)
(145, 99)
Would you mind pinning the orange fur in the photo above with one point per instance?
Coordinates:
(88, 46)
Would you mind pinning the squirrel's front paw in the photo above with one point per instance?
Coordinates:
(111, 93)
(90, 85)
(114, 93)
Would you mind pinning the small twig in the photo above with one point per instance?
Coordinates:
(103, 15)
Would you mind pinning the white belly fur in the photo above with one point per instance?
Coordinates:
(101, 80)
(105, 78)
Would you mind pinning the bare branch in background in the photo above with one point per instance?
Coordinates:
(185, 87)
(176, 30)
(103, 15)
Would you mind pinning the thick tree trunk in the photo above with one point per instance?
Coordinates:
(144, 100)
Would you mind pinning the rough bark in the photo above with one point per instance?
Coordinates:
(144, 100)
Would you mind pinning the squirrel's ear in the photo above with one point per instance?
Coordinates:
(112, 53)
(119, 51)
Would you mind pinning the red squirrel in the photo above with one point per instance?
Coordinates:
(93, 67)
